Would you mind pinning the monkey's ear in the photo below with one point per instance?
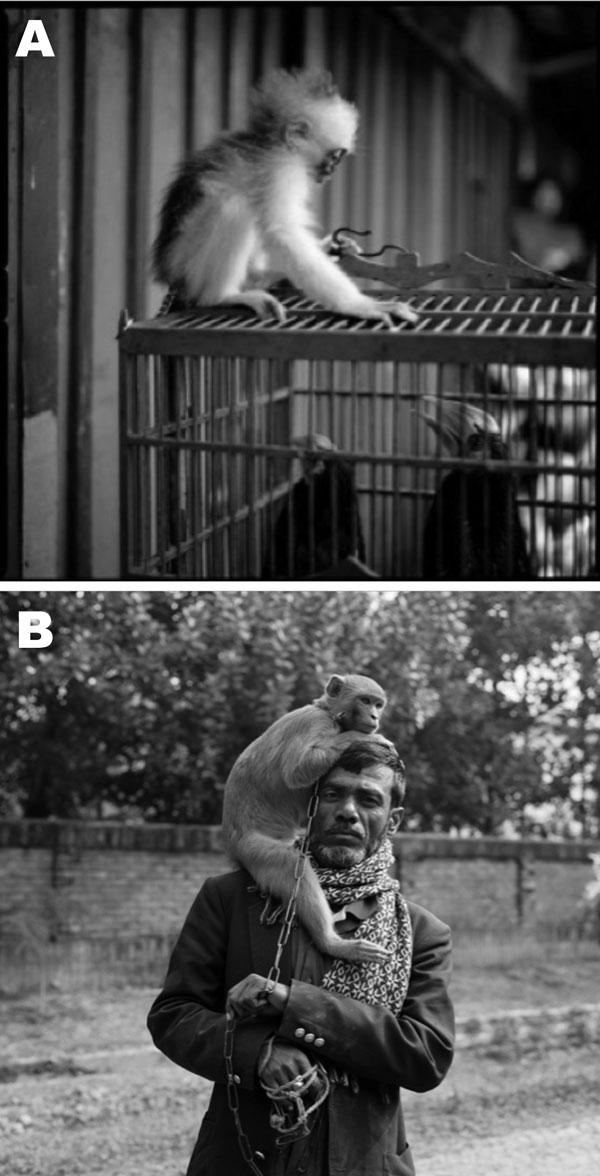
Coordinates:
(334, 686)
(295, 131)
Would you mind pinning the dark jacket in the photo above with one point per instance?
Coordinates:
(221, 942)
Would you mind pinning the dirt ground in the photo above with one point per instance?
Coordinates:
(84, 1093)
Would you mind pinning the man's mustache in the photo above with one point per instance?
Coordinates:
(346, 831)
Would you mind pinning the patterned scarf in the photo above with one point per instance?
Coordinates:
(374, 983)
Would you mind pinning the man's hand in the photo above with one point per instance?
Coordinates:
(279, 1063)
(251, 994)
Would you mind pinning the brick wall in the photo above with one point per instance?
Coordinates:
(71, 880)
(487, 883)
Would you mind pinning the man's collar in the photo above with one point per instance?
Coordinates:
(360, 909)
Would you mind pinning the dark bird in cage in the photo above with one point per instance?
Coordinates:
(473, 530)
(318, 528)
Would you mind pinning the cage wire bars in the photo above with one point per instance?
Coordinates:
(328, 447)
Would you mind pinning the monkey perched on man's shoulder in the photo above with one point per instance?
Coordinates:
(268, 790)
(240, 208)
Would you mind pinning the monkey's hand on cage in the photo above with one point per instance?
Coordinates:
(386, 312)
(265, 305)
(253, 995)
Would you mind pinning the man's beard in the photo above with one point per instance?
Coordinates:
(337, 857)
(342, 857)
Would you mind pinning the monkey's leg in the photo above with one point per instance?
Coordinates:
(212, 255)
(272, 864)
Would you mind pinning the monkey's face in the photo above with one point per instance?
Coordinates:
(322, 133)
(356, 702)
(327, 165)
(363, 713)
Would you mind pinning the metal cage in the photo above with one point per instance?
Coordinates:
(260, 450)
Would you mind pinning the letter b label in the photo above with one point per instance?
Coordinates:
(34, 630)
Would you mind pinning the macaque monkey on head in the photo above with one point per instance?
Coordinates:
(241, 206)
(268, 790)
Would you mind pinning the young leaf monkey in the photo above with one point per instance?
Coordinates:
(268, 790)
(241, 206)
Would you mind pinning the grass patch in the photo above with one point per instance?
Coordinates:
(511, 971)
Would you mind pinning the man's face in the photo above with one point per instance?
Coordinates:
(353, 815)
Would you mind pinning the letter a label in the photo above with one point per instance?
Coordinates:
(35, 40)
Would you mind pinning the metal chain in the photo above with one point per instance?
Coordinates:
(272, 979)
(234, 1100)
(290, 910)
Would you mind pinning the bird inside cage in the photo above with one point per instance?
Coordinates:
(318, 527)
(473, 530)
(549, 418)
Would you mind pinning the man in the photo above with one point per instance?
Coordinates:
(360, 1032)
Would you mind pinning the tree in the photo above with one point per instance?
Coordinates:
(144, 699)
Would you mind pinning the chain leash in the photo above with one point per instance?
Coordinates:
(272, 979)
(290, 910)
(234, 1100)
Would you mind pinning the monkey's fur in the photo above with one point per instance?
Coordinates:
(240, 207)
(268, 790)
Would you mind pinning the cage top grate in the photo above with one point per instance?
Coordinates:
(528, 326)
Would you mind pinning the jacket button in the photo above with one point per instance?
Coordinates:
(309, 1038)
(320, 1041)
(300, 1032)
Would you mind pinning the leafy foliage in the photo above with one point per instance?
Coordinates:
(141, 704)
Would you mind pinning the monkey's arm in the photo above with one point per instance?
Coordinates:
(307, 759)
(259, 270)
(296, 251)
